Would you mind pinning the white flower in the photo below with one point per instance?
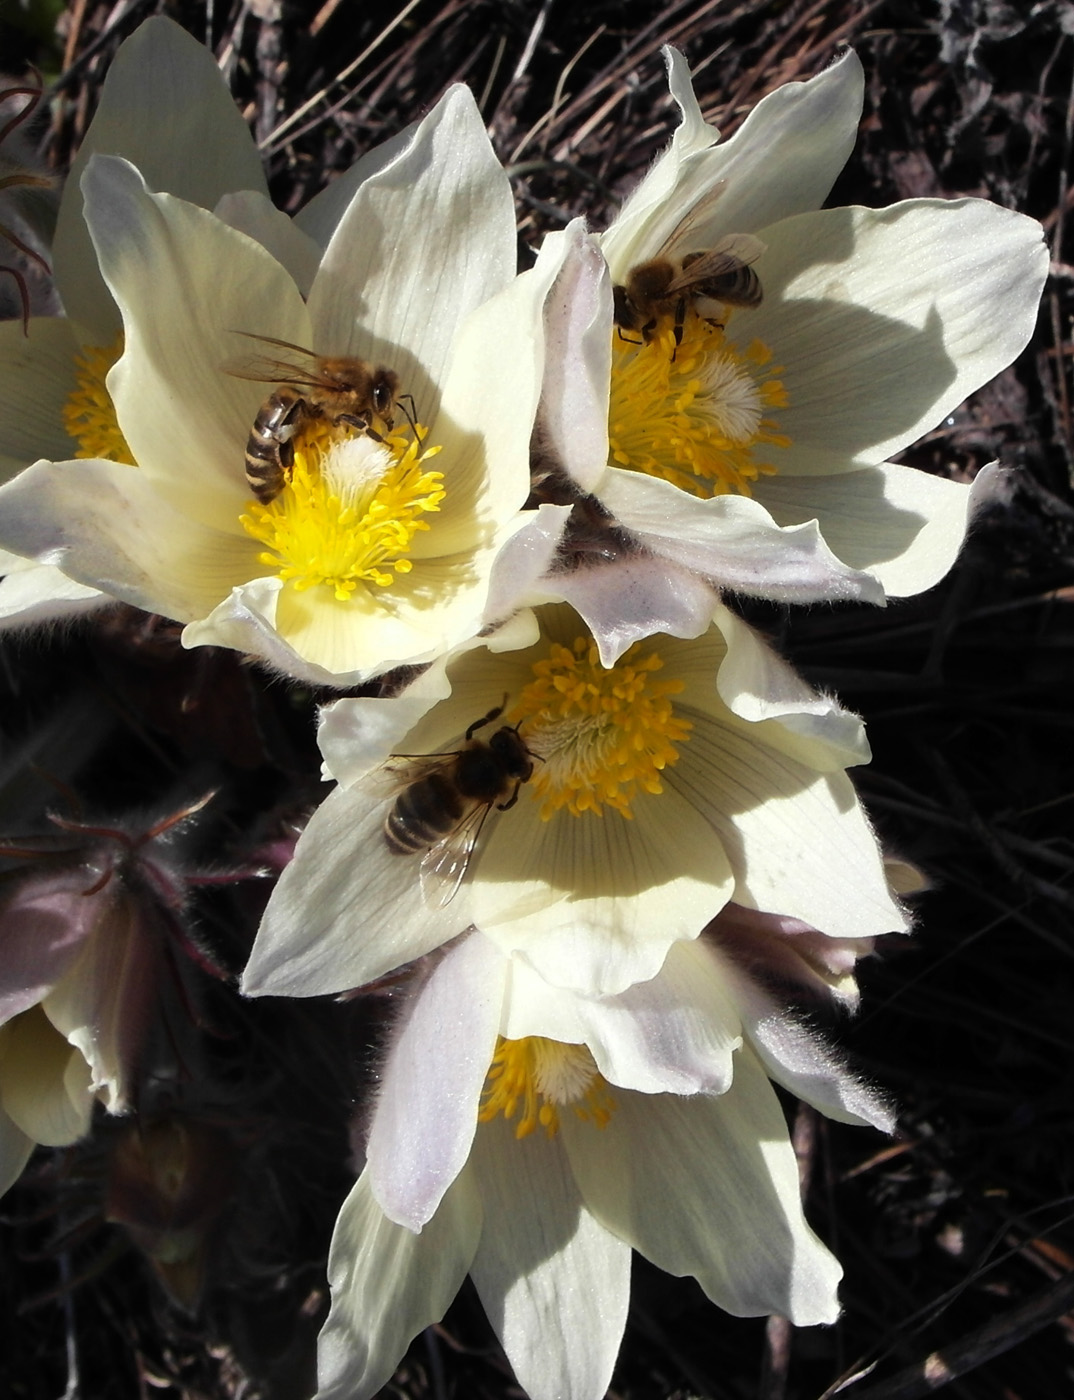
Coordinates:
(375, 553)
(164, 106)
(752, 456)
(690, 773)
(531, 1138)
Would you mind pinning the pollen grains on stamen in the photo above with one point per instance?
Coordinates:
(347, 515)
(89, 414)
(696, 414)
(602, 734)
(541, 1077)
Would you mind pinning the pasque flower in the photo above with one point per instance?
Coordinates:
(688, 774)
(747, 447)
(377, 550)
(531, 1138)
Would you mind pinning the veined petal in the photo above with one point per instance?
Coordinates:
(931, 296)
(783, 160)
(708, 1186)
(554, 1283)
(38, 1090)
(335, 921)
(387, 1285)
(734, 541)
(15, 1148)
(37, 374)
(431, 1082)
(185, 419)
(165, 108)
(109, 526)
(253, 213)
(320, 217)
(905, 526)
(426, 239)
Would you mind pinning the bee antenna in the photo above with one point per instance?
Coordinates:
(410, 412)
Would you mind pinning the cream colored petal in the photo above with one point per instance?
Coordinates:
(15, 1147)
(782, 160)
(594, 903)
(37, 375)
(554, 1283)
(37, 1090)
(165, 108)
(387, 1285)
(254, 214)
(108, 527)
(346, 910)
(36, 593)
(904, 526)
(426, 239)
(186, 284)
(884, 320)
(320, 217)
(708, 1186)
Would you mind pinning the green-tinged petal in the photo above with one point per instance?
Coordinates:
(38, 1091)
(798, 841)
(346, 910)
(165, 108)
(884, 320)
(186, 283)
(15, 1147)
(594, 902)
(783, 160)
(37, 374)
(426, 239)
(554, 1283)
(254, 214)
(387, 1285)
(708, 1186)
(108, 527)
(904, 526)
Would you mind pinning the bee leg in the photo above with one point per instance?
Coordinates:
(494, 713)
(680, 322)
(626, 338)
(506, 806)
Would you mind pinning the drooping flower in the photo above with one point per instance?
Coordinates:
(532, 1138)
(688, 774)
(164, 106)
(377, 550)
(746, 447)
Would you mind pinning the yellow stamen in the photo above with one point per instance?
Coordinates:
(602, 734)
(89, 414)
(543, 1076)
(349, 510)
(695, 415)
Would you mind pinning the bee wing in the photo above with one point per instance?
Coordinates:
(680, 235)
(735, 251)
(444, 865)
(265, 370)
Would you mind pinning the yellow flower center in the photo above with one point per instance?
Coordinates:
(541, 1077)
(601, 734)
(696, 415)
(89, 414)
(349, 511)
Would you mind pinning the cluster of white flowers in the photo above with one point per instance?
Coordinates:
(615, 827)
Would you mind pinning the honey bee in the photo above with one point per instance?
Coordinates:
(337, 388)
(442, 808)
(666, 285)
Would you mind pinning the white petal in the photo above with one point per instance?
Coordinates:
(44, 921)
(573, 418)
(425, 240)
(387, 1285)
(36, 1084)
(15, 1148)
(36, 593)
(709, 1187)
(554, 1283)
(431, 1082)
(734, 541)
(884, 320)
(108, 526)
(782, 160)
(186, 283)
(904, 526)
(524, 559)
(345, 910)
(37, 375)
(357, 734)
(254, 214)
(165, 107)
(320, 217)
